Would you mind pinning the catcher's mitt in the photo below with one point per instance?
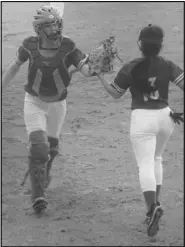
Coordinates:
(100, 59)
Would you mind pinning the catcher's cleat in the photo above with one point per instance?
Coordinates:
(153, 218)
(39, 205)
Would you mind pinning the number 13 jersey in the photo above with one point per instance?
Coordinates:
(148, 80)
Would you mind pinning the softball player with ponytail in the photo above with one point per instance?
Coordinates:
(152, 121)
(50, 55)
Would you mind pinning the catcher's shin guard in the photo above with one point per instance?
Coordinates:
(38, 158)
(37, 176)
(54, 146)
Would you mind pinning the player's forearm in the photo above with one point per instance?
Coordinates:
(10, 74)
(84, 70)
(108, 87)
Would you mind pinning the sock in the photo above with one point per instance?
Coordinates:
(150, 198)
(158, 189)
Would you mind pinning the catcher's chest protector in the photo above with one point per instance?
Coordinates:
(48, 77)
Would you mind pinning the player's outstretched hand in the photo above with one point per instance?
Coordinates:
(177, 117)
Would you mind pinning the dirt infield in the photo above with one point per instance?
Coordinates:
(94, 197)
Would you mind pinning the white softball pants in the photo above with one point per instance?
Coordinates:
(150, 131)
(40, 115)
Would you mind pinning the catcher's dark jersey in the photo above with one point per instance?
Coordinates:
(141, 75)
(48, 78)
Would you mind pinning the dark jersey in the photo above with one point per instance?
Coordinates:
(148, 81)
(49, 78)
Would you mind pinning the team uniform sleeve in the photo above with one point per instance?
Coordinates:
(176, 73)
(22, 55)
(122, 81)
(76, 57)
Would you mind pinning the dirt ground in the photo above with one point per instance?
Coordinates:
(94, 197)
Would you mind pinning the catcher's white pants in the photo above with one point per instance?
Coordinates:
(150, 131)
(40, 115)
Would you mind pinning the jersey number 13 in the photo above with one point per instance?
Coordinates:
(154, 95)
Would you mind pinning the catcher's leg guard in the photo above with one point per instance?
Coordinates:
(54, 146)
(38, 158)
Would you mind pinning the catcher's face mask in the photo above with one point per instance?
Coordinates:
(48, 23)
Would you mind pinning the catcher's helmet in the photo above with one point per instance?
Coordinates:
(151, 34)
(47, 14)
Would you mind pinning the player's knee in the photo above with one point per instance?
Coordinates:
(39, 148)
(158, 170)
(54, 146)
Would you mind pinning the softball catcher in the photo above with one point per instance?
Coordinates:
(50, 55)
